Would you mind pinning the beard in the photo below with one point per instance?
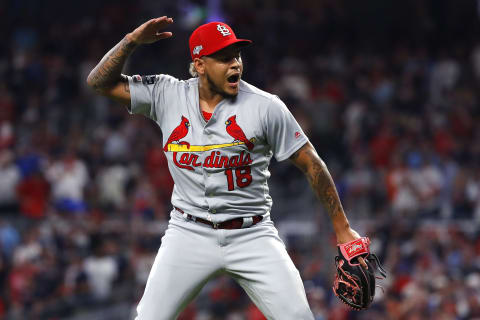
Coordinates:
(219, 90)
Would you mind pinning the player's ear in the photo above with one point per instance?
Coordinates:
(199, 65)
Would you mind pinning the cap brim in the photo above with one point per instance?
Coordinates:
(242, 43)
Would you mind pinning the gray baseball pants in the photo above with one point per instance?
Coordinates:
(191, 253)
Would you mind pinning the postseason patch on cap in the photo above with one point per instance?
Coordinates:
(197, 49)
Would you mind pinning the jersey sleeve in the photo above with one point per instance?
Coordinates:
(148, 94)
(284, 134)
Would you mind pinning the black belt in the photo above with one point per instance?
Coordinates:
(237, 223)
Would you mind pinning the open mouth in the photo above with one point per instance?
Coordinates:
(233, 78)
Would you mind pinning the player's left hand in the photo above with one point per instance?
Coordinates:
(347, 236)
(355, 284)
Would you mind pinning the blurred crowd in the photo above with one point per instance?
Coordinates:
(388, 94)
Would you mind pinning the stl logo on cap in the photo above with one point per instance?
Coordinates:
(223, 30)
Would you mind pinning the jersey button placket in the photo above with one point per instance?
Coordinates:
(207, 140)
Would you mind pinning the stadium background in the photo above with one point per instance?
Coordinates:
(386, 90)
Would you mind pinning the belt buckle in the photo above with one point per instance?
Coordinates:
(215, 225)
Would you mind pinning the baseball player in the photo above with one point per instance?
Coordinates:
(219, 134)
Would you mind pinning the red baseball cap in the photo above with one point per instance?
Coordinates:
(211, 37)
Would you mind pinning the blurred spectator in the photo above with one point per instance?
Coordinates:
(473, 192)
(116, 146)
(112, 181)
(403, 197)
(101, 270)
(9, 179)
(68, 177)
(156, 166)
(29, 250)
(6, 134)
(444, 76)
(383, 144)
(142, 260)
(463, 207)
(359, 182)
(9, 239)
(145, 203)
(33, 194)
(7, 112)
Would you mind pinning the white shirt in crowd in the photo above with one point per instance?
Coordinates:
(68, 180)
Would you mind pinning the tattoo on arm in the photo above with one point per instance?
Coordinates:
(323, 185)
(307, 160)
(108, 70)
(294, 156)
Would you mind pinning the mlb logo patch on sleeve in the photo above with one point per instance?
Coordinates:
(149, 79)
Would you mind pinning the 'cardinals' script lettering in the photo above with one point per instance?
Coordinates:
(215, 159)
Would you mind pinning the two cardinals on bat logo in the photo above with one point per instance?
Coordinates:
(232, 128)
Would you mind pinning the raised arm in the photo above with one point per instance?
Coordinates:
(307, 160)
(106, 78)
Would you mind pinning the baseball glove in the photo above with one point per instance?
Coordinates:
(354, 285)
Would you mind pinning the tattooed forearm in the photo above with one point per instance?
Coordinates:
(307, 160)
(324, 187)
(108, 71)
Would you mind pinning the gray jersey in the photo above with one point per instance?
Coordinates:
(220, 167)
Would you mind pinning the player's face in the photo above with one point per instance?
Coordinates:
(223, 71)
